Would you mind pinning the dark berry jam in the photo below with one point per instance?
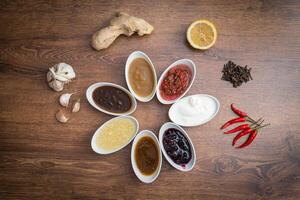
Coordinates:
(177, 146)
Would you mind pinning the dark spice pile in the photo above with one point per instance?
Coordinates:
(236, 74)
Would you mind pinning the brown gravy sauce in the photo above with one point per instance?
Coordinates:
(146, 155)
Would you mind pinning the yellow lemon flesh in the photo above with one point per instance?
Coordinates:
(202, 34)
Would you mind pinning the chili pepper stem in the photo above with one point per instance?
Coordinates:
(250, 118)
(258, 122)
(259, 127)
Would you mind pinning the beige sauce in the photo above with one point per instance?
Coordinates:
(141, 77)
(115, 134)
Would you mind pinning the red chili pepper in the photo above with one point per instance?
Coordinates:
(252, 134)
(233, 121)
(241, 134)
(238, 128)
(250, 139)
(238, 112)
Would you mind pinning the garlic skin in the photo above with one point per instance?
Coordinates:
(64, 99)
(61, 116)
(60, 74)
(76, 106)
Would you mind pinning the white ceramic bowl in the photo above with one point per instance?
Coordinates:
(173, 111)
(186, 62)
(89, 96)
(142, 177)
(98, 149)
(189, 166)
(131, 57)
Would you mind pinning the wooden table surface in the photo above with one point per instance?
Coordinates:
(43, 159)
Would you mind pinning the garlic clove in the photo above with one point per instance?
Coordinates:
(64, 99)
(76, 106)
(56, 85)
(61, 116)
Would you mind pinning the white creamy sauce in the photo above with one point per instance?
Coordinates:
(194, 110)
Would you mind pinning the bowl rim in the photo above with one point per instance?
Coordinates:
(140, 54)
(204, 122)
(91, 101)
(132, 156)
(93, 140)
(177, 62)
(176, 166)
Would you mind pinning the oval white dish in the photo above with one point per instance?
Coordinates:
(142, 177)
(184, 111)
(186, 62)
(187, 167)
(98, 149)
(89, 96)
(131, 57)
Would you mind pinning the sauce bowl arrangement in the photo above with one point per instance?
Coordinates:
(146, 150)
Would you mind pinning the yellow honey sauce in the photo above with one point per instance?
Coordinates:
(116, 133)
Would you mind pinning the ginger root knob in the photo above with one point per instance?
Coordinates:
(122, 24)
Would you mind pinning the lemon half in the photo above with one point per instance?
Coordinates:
(202, 34)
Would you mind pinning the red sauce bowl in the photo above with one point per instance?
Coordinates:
(176, 81)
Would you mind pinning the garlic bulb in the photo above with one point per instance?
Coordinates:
(60, 74)
(61, 116)
(64, 99)
(76, 106)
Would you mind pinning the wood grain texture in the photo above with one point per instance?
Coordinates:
(42, 159)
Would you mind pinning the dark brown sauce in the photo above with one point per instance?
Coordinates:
(112, 99)
(146, 155)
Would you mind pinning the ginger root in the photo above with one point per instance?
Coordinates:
(122, 24)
